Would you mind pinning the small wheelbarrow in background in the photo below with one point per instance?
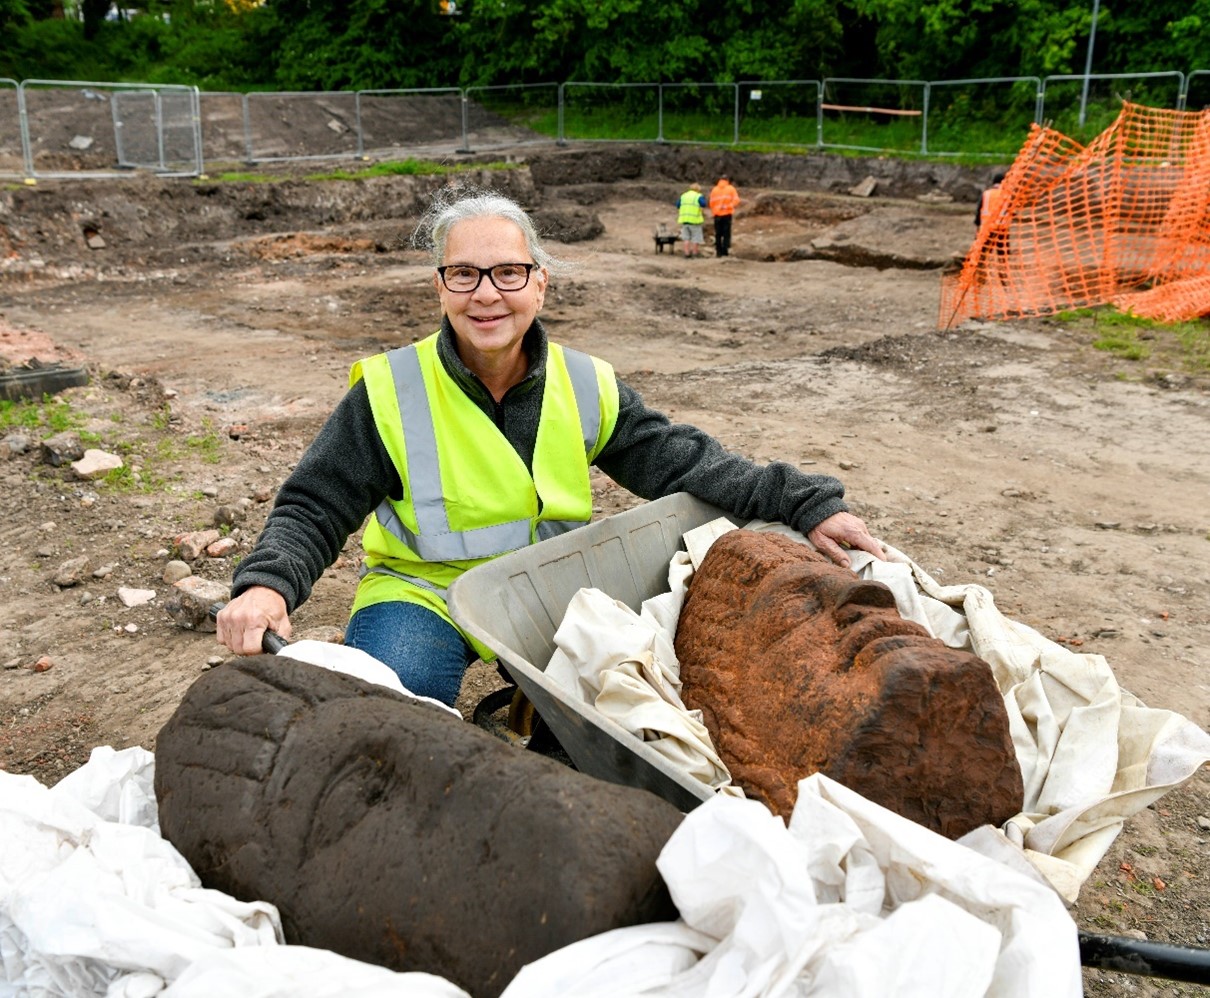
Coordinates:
(665, 237)
(515, 604)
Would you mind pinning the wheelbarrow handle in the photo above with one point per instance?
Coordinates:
(271, 642)
(1148, 959)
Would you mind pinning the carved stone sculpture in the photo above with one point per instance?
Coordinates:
(391, 832)
(799, 666)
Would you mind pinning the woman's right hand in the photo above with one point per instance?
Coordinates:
(242, 623)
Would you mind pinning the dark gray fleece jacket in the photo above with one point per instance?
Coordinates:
(346, 472)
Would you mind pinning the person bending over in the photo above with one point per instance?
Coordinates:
(477, 441)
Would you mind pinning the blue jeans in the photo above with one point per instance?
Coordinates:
(427, 653)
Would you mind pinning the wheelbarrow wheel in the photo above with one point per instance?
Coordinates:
(522, 718)
(524, 726)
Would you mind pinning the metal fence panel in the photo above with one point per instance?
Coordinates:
(224, 137)
(610, 112)
(1197, 91)
(872, 115)
(295, 125)
(1083, 107)
(956, 110)
(511, 115)
(12, 149)
(782, 113)
(699, 112)
(156, 129)
(419, 121)
(75, 128)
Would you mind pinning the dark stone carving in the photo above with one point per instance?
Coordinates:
(393, 833)
(799, 666)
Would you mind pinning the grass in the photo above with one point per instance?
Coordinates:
(207, 444)
(50, 413)
(1178, 346)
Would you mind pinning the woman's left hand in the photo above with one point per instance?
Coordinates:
(840, 531)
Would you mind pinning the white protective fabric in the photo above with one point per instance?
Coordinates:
(87, 898)
(91, 905)
(357, 663)
(1091, 754)
(849, 901)
(94, 902)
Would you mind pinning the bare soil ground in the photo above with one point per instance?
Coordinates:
(219, 321)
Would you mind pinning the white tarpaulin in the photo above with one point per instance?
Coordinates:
(849, 901)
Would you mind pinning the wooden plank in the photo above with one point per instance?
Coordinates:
(870, 110)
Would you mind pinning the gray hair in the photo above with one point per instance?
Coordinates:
(455, 204)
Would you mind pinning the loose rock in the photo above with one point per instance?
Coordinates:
(174, 571)
(191, 546)
(71, 571)
(135, 597)
(62, 448)
(95, 464)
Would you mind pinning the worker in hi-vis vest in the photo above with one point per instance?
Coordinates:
(723, 201)
(477, 441)
(689, 215)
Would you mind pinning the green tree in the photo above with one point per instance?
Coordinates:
(13, 14)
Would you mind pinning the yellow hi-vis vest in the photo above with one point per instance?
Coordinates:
(468, 496)
(690, 212)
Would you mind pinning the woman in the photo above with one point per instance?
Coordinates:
(477, 441)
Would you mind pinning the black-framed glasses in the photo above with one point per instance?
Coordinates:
(463, 278)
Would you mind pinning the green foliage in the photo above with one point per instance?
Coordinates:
(406, 44)
(13, 14)
(1180, 345)
(52, 414)
(207, 444)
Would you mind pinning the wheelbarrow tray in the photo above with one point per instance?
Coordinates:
(515, 603)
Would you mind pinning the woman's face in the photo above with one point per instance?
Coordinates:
(489, 323)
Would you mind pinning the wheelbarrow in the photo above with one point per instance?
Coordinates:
(515, 603)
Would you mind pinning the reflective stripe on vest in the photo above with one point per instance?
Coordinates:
(414, 580)
(690, 209)
(435, 541)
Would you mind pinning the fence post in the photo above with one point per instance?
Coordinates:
(924, 122)
(27, 152)
(659, 112)
(466, 137)
(115, 117)
(361, 144)
(559, 139)
(159, 127)
(249, 160)
(195, 110)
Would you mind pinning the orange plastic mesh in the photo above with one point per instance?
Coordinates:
(1122, 221)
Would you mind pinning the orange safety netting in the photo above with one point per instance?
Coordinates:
(1123, 221)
